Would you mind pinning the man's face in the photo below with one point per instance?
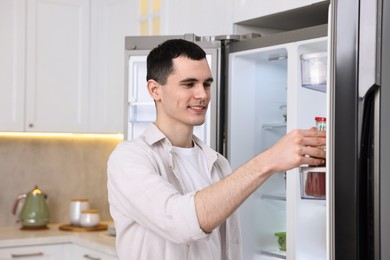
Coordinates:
(184, 99)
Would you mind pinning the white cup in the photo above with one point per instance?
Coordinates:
(89, 218)
(76, 206)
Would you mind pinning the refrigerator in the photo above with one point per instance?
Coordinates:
(261, 91)
(359, 137)
(257, 96)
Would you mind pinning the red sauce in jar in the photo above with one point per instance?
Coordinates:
(315, 184)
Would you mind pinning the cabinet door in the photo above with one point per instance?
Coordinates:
(112, 20)
(251, 9)
(80, 252)
(39, 252)
(57, 83)
(213, 17)
(12, 46)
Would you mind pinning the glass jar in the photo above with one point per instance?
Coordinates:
(321, 123)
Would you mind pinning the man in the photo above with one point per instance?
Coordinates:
(171, 196)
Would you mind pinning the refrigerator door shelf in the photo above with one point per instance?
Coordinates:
(314, 71)
(142, 112)
(306, 169)
(313, 183)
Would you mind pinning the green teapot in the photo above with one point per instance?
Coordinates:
(35, 212)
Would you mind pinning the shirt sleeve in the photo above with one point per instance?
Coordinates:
(139, 192)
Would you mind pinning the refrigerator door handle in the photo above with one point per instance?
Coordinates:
(369, 46)
(369, 88)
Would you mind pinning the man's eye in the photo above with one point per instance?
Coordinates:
(189, 84)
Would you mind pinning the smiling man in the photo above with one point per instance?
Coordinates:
(171, 196)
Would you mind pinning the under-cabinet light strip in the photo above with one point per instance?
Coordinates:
(65, 135)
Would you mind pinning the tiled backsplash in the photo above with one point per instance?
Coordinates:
(62, 167)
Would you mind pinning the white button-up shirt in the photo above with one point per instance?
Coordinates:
(155, 218)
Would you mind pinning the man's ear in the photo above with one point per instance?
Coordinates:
(154, 89)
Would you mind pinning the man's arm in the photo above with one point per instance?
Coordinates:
(217, 202)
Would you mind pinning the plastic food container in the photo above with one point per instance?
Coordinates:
(314, 71)
(313, 183)
(281, 240)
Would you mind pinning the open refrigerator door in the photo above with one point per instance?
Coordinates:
(267, 97)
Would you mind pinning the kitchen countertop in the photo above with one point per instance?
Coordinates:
(97, 240)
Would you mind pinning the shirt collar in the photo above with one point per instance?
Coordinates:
(153, 135)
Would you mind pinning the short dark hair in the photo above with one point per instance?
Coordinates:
(159, 61)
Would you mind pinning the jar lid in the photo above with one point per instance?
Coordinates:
(93, 211)
(318, 118)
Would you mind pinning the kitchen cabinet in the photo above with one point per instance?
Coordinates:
(202, 17)
(56, 244)
(38, 252)
(251, 9)
(112, 20)
(57, 65)
(62, 67)
(81, 252)
(61, 251)
(12, 62)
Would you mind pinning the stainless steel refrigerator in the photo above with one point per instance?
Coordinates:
(260, 94)
(360, 133)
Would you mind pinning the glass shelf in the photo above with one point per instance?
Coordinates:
(274, 125)
(273, 197)
(274, 253)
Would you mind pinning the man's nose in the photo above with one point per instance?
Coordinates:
(200, 91)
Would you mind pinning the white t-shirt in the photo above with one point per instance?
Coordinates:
(195, 176)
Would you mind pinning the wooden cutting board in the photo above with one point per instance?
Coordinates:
(68, 227)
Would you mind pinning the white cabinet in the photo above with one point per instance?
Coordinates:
(112, 20)
(62, 64)
(38, 252)
(12, 62)
(57, 71)
(81, 252)
(61, 251)
(202, 17)
(251, 9)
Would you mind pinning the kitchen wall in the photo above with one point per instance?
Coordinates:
(63, 167)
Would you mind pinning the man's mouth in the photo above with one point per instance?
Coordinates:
(199, 108)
